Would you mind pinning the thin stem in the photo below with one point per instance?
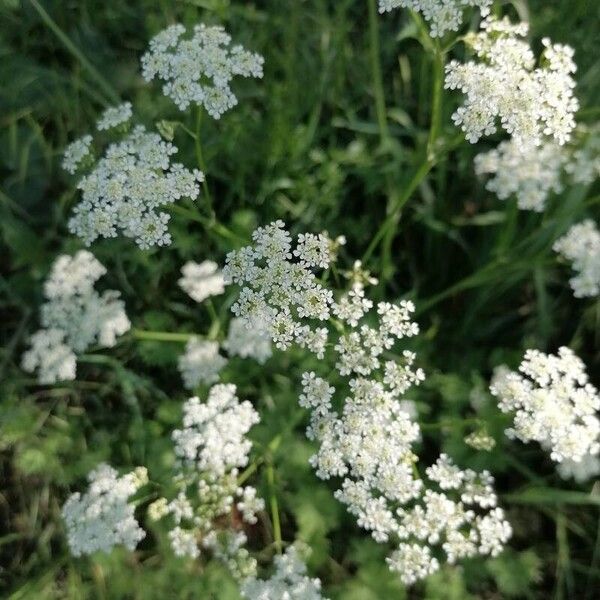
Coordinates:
(436, 101)
(391, 219)
(70, 46)
(162, 336)
(376, 69)
(274, 509)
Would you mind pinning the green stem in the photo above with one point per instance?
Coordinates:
(274, 509)
(376, 69)
(436, 101)
(391, 220)
(70, 46)
(162, 336)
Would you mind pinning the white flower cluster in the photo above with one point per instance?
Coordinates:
(248, 342)
(368, 444)
(581, 471)
(211, 447)
(199, 70)
(553, 403)
(442, 15)
(279, 292)
(288, 582)
(581, 247)
(75, 153)
(213, 437)
(125, 189)
(529, 172)
(102, 517)
(505, 84)
(584, 164)
(201, 362)
(115, 116)
(74, 317)
(200, 281)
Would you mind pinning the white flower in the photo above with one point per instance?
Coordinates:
(201, 363)
(75, 152)
(102, 517)
(115, 116)
(250, 504)
(50, 356)
(248, 342)
(126, 188)
(581, 246)
(528, 171)
(200, 281)
(369, 443)
(288, 582)
(505, 85)
(581, 471)
(442, 15)
(412, 562)
(183, 543)
(199, 70)
(552, 403)
(213, 435)
(75, 316)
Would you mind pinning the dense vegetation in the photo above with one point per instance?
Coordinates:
(336, 136)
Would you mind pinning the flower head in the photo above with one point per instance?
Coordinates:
(199, 70)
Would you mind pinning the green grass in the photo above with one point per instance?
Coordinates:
(346, 132)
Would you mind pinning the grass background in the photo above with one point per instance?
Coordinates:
(323, 144)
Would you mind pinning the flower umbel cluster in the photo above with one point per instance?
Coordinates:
(289, 581)
(201, 362)
(248, 342)
(200, 281)
(553, 404)
(211, 447)
(505, 85)
(74, 317)
(528, 171)
(102, 517)
(199, 70)
(124, 191)
(442, 15)
(114, 116)
(369, 442)
(581, 247)
(280, 292)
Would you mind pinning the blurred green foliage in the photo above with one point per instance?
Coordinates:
(304, 145)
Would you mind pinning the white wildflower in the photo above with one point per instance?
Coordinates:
(126, 188)
(213, 437)
(248, 342)
(199, 70)
(75, 152)
(200, 281)
(201, 362)
(183, 543)
(250, 504)
(529, 172)
(505, 85)
(369, 442)
(288, 582)
(74, 317)
(115, 116)
(581, 247)
(442, 15)
(50, 357)
(581, 471)
(553, 403)
(102, 517)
